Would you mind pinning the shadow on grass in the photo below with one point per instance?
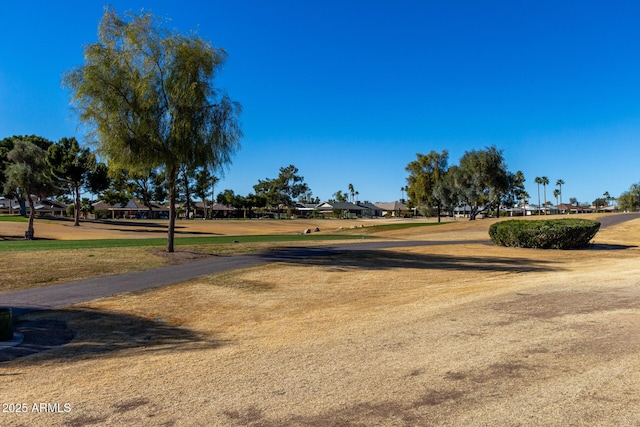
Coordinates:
(56, 335)
(387, 260)
(610, 247)
(144, 226)
(164, 231)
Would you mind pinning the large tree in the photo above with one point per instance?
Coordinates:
(6, 145)
(27, 174)
(426, 176)
(630, 199)
(481, 178)
(281, 191)
(148, 96)
(71, 166)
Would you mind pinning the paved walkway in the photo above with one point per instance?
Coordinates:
(57, 296)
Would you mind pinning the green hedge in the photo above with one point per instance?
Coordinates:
(544, 234)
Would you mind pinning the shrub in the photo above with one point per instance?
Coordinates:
(544, 234)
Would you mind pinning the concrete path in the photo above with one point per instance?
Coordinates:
(56, 296)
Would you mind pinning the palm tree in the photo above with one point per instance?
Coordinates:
(560, 183)
(351, 191)
(607, 197)
(545, 182)
(538, 181)
(556, 193)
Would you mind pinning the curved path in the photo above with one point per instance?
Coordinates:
(56, 296)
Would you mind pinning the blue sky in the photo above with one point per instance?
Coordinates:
(350, 91)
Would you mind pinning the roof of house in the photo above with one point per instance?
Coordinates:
(46, 204)
(392, 206)
(343, 206)
(306, 206)
(216, 206)
(370, 206)
(221, 207)
(131, 205)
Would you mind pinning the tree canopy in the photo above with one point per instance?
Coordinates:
(481, 179)
(71, 165)
(281, 191)
(148, 97)
(26, 175)
(426, 185)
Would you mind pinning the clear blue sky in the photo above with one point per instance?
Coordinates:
(350, 91)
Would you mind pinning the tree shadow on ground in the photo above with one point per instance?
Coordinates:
(164, 231)
(55, 335)
(610, 247)
(387, 260)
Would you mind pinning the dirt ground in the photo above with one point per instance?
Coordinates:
(452, 334)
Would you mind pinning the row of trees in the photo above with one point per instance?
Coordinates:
(557, 193)
(32, 166)
(480, 180)
(147, 98)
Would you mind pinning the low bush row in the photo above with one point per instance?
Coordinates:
(544, 234)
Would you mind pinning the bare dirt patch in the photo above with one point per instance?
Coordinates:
(466, 334)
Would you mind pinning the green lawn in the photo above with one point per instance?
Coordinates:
(13, 218)
(347, 234)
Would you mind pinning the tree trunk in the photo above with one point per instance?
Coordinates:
(204, 206)
(473, 213)
(76, 211)
(187, 196)
(172, 209)
(23, 206)
(29, 235)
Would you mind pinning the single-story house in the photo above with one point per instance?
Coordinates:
(371, 210)
(133, 209)
(42, 207)
(567, 208)
(346, 209)
(50, 207)
(396, 208)
(306, 210)
(217, 210)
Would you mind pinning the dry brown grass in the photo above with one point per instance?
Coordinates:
(24, 269)
(467, 334)
(135, 229)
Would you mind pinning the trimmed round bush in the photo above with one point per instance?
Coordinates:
(544, 234)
